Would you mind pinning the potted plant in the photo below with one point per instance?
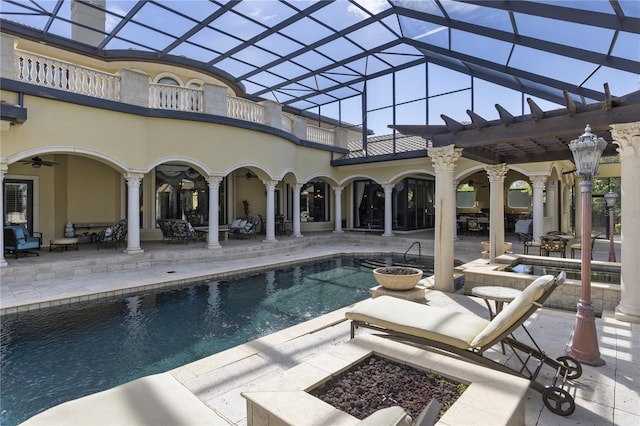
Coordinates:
(397, 277)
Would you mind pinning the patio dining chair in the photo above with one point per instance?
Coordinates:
(473, 226)
(528, 242)
(578, 247)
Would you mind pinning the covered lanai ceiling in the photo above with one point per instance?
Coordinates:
(305, 54)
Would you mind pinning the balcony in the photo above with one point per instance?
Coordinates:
(134, 87)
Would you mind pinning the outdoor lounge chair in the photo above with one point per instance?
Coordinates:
(112, 236)
(17, 239)
(469, 336)
(245, 226)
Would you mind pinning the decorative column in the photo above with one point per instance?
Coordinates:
(271, 212)
(3, 171)
(214, 215)
(338, 202)
(444, 162)
(496, 174)
(296, 209)
(455, 210)
(133, 212)
(538, 183)
(388, 209)
(627, 137)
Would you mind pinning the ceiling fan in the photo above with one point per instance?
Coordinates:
(248, 175)
(473, 184)
(37, 162)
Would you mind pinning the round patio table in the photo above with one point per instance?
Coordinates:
(499, 295)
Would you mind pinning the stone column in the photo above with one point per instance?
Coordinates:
(496, 174)
(271, 212)
(338, 197)
(7, 51)
(455, 210)
(133, 212)
(214, 203)
(299, 127)
(388, 209)
(627, 137)
(3, 171)
(134, 88)
(296, 209)
(444, 162)
(538, 183)
(272, 113)
(215, 99)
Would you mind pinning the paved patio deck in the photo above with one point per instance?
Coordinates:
(606, 395)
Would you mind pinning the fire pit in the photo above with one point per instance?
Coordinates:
(398, 277)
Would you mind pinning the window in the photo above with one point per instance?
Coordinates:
(314, 204)
(466, 196)
(519, 196)
(18, 202)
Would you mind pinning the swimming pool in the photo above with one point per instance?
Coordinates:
(51, 356)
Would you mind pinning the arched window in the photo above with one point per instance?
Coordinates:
(168, 81)
(519, 196)
(466, 195)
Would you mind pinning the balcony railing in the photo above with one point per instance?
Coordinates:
(244, 109)
(320, 135)
(178, 98)
(44, 71)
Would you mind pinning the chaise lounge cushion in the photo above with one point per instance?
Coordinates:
(443, 325)
(513, 312)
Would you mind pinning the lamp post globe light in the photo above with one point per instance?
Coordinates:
(611, 198)
(586, 150)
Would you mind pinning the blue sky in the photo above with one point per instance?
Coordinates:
(450, 93)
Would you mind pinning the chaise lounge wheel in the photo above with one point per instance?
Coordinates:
(558, 401)
(574, 367)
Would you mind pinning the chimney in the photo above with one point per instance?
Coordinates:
(90, 17)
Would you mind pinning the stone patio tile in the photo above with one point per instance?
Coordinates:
(232, 376)
(627, 399)
(623, 418)
(206, 365)
(587, 413)
(301, 377)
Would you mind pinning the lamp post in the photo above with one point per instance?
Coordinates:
(611, 198)
(586, 151)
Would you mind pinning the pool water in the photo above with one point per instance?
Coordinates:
(55, 355)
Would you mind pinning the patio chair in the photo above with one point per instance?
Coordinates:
(473, 226)
(469, 336)
(112, 236)
(528, 242)
(245, 226)
(177, 230)
(17, 239)
(578, 247)
(553, 244)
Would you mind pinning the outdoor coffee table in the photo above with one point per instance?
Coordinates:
(63, 244)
